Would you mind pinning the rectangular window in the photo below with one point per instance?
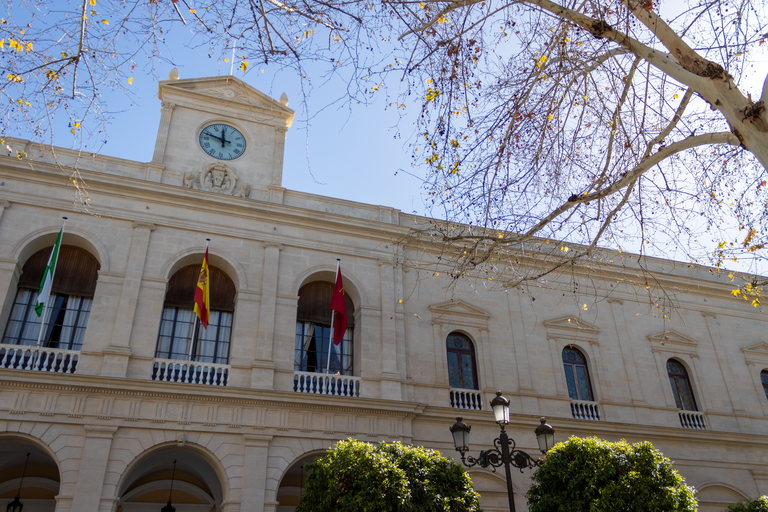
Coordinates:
(311, 350)
(178, 327)
(66, 319)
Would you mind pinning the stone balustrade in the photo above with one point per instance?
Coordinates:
(41, 359)
(188, 372)
(585, 410)
(466, 399)
(692, 419)
(322, 384)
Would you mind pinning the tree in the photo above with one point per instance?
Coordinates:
(356, 476)
(756, 505)
(592, 475)
(627, 124)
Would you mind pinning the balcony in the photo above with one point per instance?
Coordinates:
(187, 372)
(466, 399)
(692, 419)
(585, 410)
(322, 384)
(38, 359)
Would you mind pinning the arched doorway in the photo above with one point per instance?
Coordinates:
(41, 477)
(196, 485)
(293, 482)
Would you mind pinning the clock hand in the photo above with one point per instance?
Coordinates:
(223, 131)
(211, 135)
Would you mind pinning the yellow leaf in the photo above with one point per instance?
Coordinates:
(736, 292)
(244, 65)
(77, 125)
(93, 2)
(2, 43)
(73, 132)
(192, 11)
(674, 97)
(29, 47)
(756, 302)
(401, 301)
(105, 22)
(130, 80)
(226, 60)
(584, 307)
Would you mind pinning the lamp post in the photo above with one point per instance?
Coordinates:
(504, 451)
(16, 505)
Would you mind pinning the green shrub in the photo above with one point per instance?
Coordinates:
(756, 505)
(357, 477)
(592, 475)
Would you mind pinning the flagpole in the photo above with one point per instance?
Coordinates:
(333, 317)
(45, 308)
(197, 321)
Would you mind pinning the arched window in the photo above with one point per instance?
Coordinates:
(462, 371)
(313, 332)
(681, 386)
(180, 325)
(577, 374)
(764, 380)
(69, 305)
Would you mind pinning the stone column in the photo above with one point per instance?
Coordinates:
(93, 467)
(118, 352)
(155, 167)
(255, 472)
(264, 367)
(390, 377)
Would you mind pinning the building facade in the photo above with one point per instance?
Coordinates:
(127, 395)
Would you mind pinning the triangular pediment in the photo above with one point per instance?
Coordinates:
(460, 308)
(760, 348)
(226, 89)
(673, 337)
(571, 323)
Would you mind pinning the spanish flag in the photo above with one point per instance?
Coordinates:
(202, 293)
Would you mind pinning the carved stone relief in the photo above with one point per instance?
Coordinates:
(218, 178)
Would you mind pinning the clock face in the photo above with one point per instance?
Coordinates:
(222, 141)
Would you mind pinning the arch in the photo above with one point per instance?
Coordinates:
(37, 443)
(46, 237)
(287, 487)
(28, 468)
(578, 381)
(172, 448)
(327, 273)
(460, 350)
(194, 256)
(715, 496)
(283, 453)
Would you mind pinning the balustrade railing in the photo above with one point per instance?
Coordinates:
(692, 419)
(323, 384)
(170, 370)
(585, 410)
(466, 399)
(40, 359)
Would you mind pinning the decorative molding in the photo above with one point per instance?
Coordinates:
(571, 329)
(673, 342)
(756, 354)
(276, 245)
(5, 204)
(144, 225)
(459, 313)
(218, 178)
(167, 106)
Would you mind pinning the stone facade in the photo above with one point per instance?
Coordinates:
(104, 424)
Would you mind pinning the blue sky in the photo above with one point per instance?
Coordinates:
(354, 152)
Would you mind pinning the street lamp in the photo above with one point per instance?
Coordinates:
(504, 451)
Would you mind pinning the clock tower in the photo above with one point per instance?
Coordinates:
(220, 135)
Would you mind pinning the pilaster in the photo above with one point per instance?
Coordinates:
(263, 367)
(255, 472)
(93, 467)
(118, 352)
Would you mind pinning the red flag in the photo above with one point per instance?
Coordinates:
(202, 293)
(339, 305)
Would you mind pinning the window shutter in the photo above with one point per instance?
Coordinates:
(181, 289)
(76, 271)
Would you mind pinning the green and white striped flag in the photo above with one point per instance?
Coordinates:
(47, 282)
